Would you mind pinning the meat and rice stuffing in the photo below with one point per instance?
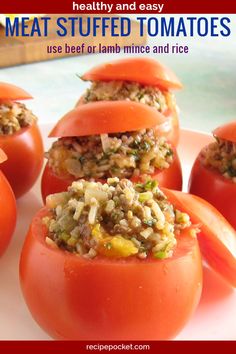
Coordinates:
(132, 91)
(116, 219)
(221, 155)
(108, 155)
(14, 116)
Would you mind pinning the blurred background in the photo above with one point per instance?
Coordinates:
(207, 72)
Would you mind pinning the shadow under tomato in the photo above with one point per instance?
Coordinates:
(215, 288)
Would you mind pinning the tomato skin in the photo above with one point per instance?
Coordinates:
(217, 238)
(144, 70)
(7, 213)
(105, 117)
(51, 183)
(10, 92)
(216, 189)
(226, 132)
(25, 152)
(169, 178)
(169, 128)
(105, 299)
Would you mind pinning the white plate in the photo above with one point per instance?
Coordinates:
(215, 317)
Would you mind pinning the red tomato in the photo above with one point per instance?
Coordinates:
(51, 183)
(208, 183)
(217, 238)
(11, 92)
(25, 158)
(215, 188)
(107, 117)
(144, 70)
(107, 299)
(169, 178)
(226, 132)
(7, 210)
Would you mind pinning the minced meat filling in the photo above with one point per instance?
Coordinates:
(221, 155)
(116, 219)
(108, 155)
(123, 90)
(13, 117)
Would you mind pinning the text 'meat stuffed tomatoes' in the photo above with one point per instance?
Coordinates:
(213, 175)
(110, 139)
(137, 79)
(7, 209)
(94, 284)
(20, 138)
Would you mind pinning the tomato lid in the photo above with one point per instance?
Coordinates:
(3, 156)
(146, 71)
(12, 92)
(217, 239)
(105, 117)
(226, 132)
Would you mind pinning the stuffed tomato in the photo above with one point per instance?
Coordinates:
(213, 175)
(142, 80)
(20, 138)
(7, 209)
(112, 261)
(110, 139)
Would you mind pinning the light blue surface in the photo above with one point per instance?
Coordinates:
(208, 73)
